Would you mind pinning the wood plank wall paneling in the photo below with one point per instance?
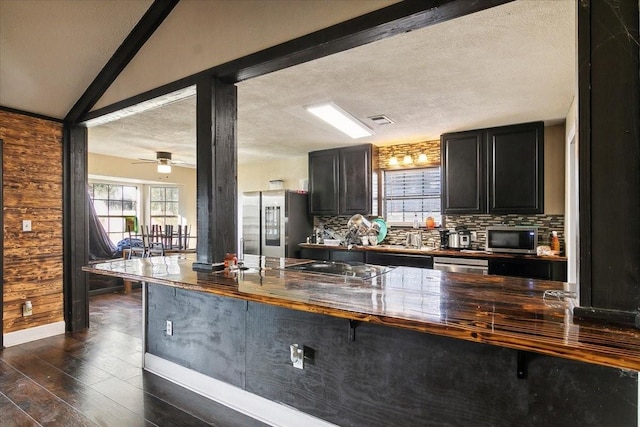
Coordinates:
(32, 183)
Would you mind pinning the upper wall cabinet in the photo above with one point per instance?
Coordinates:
(498, 170)
(463, 172)
(323, 182)
(340, 180)
(516, 169)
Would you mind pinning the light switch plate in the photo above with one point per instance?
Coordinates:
(26, 225)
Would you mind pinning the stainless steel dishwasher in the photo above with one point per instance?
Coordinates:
(461, 265)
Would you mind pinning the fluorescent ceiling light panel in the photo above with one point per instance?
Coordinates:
(340, 119)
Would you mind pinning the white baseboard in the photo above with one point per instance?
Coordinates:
(257, 407)
(31, 334)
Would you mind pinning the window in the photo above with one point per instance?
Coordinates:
(408, 193)
(164, 206)
(114, 202)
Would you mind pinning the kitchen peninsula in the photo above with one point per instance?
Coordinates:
(408, 345)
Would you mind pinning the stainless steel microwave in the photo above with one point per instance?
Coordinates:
(512, 239)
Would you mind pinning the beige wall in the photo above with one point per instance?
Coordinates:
(256, 176)
(554, 165)
(108, 168)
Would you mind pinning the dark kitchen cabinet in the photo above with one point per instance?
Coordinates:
(312, 253)
(327, 254)
(340, 180)
(529, 268)
(463, 173)
(498, 170)
(323, 182)
(516, 169)
(405, 260)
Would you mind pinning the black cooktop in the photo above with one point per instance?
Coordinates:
(342, 268)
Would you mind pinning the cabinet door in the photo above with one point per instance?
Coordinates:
(406, 260)
(355, 180)
(323, 182)
(531, 269)
(463, 173)
(312, 253)
(348, 256)
(516, 169)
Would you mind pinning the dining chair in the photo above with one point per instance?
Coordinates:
(136, 251)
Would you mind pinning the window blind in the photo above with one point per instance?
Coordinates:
(411, 193)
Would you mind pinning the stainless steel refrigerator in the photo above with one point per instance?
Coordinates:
(274, 223)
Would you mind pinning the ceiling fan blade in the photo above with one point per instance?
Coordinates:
(144, 161)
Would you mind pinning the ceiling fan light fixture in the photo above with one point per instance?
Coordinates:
(164, 166)
(340, 119)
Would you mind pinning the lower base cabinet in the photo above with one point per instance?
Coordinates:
(528, 268)
(541, 269)
(404, 260)
(386, 376)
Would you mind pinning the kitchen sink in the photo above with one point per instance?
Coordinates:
(341, 268)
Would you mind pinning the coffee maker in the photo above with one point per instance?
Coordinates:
(444, 238)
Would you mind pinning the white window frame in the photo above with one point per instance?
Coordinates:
(116, 236)
(153, 218)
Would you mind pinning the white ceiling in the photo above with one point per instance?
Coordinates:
(509, 64)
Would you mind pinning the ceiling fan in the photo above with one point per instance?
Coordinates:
(164, 161)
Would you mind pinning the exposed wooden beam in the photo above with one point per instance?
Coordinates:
(147, 25)
(216, 123)
(75, 227)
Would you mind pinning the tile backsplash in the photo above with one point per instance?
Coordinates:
(478, 223)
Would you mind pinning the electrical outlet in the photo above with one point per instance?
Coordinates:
(297, 356)
(26, 225)
(169, 327)
(27, 309)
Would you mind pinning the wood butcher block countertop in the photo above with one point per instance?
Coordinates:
(458, 253)
(504, 311)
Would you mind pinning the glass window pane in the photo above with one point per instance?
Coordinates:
(115, 192)
(116, 224)
(101, 191)
(100, 207)
(157, 194)
(172, 209)
(115, 207)
(129, 207)
(172, 194)
(130, 193)
(157, 208)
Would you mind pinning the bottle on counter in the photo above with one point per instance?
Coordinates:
(555, 242)
(416, 223)
(230, 261)
(430, 222)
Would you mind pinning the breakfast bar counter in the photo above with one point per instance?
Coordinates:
(388, 312)
(523, 314)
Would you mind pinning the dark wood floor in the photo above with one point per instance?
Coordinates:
(95, 378)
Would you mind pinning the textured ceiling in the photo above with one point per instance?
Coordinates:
(50, 51)
(509, 64)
